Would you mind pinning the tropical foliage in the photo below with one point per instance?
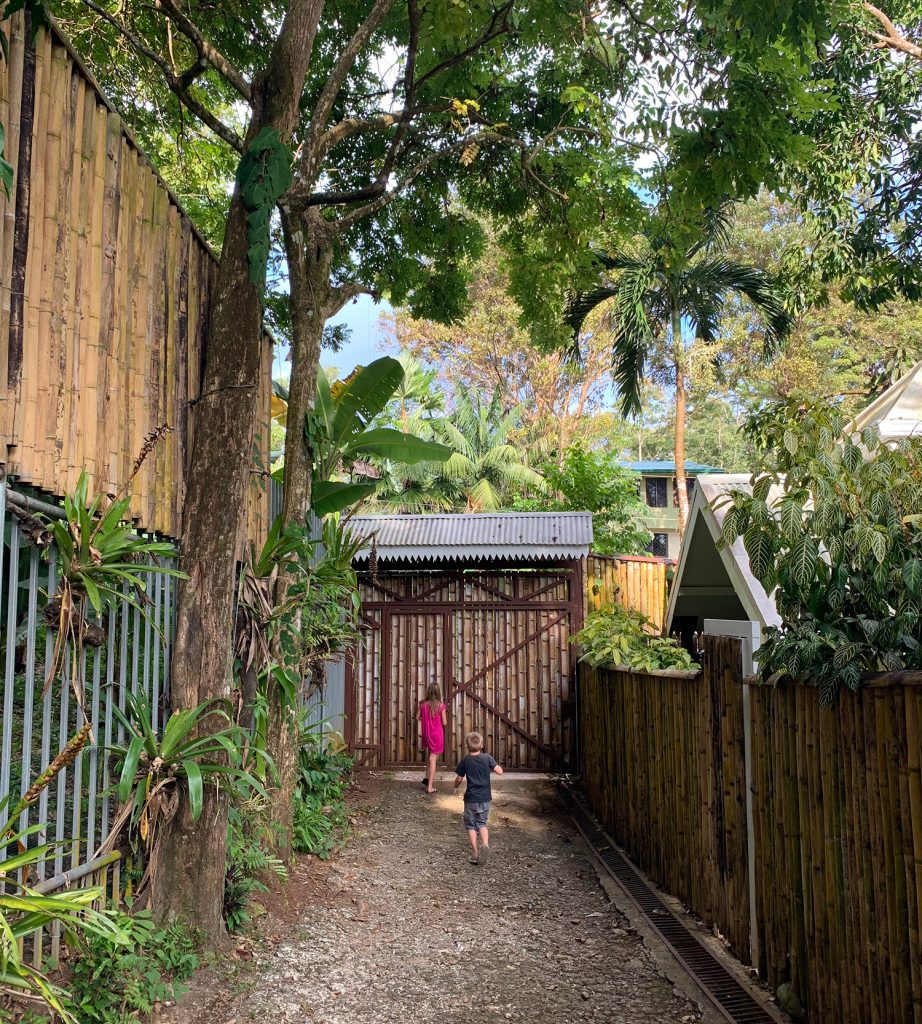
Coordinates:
(101, 562)
(485, 468)
(124, 982)
(198, 749)
(621, 636)
(23, 910)
(834, 530)
(592, 481)
(341, 431)
(320, 820)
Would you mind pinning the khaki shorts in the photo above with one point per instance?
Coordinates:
(475, 815)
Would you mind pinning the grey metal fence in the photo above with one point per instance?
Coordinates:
(38, 718)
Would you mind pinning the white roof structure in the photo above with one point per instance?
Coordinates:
(898, 411)
(504, 536)
(714, 581)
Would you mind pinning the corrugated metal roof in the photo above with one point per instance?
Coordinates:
(652, 467)
(468, 535)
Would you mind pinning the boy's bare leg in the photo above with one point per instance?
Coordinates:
(433, 761)
(472, 835)
(485, 836)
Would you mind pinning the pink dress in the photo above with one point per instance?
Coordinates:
(432, 729)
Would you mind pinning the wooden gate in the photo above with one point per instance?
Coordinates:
(498, 644)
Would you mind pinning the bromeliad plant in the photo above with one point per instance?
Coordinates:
(621, 636)
(102, 561)
(23, 909)
(315, 621)
(154, 771)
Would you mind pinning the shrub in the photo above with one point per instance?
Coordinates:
(834, 531)
(118, 984)
(619, 636)
(320, 820)
(249, 860)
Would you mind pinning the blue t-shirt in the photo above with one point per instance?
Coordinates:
(477, 768)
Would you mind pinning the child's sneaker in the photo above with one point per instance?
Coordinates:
(484, 855)
(473, 860)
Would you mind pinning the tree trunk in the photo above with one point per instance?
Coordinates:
(309, 256)
(680, 478)
(189, 882)
(212, 516)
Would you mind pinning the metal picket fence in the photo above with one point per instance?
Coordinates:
(38, 720)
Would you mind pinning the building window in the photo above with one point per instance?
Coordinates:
(656, 491)
(659, 546)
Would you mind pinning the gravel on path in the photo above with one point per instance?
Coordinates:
(413, 933)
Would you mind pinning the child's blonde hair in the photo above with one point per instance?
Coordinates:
(433, 697)
(474, 742)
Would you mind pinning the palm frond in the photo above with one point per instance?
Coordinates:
(722, 274)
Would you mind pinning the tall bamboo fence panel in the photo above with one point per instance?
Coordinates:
(837, 822)
(662, 763)
(635, 582)
(104, 296)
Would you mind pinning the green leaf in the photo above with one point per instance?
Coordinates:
(912, 575)
(388, 443)
(803, 559)
(760, 551)
(196, 788)
(130, 768)
(329, 496)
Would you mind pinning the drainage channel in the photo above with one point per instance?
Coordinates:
(729, 997)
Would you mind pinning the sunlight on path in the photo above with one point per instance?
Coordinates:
(416, 934)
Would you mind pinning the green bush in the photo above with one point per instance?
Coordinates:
(619, 636)
(320, 820)
(249, 860)
(120, 984)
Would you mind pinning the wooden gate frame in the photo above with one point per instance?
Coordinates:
(571, 569)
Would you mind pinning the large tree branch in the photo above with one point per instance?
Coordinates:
(206, 51)
(277, 93)
(378, 192)
(341, 294)
(891, 38)
(309, 162)
(178, 84)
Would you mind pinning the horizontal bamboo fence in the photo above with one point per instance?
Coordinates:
(635, 582)
(836, 799)
(104, 296)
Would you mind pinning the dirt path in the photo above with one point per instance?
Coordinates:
(412, 933)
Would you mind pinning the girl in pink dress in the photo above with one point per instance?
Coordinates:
(432, 719)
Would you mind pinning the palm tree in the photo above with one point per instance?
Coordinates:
(485, 466)
(655, 290)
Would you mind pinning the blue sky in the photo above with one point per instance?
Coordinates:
(361, 317)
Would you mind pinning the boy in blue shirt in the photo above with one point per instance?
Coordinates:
(477, 768)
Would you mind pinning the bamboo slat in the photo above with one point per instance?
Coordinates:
(638, 583)
(114, 301)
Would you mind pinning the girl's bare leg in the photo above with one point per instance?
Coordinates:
(433, 761)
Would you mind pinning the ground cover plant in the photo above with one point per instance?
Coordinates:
(122, 983)
(320, 817)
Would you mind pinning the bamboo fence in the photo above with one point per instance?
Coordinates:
(104, 295)
(635, 582)
(837, 822)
